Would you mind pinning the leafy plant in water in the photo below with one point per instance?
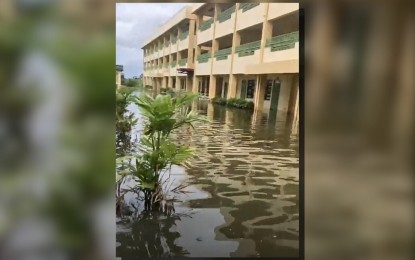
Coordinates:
(158, 152)
(124, 122)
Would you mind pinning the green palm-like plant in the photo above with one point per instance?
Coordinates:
(123, 97)
(158, 152)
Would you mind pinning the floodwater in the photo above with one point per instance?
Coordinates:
(243, 193)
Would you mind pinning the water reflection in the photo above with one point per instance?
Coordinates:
(244, 200)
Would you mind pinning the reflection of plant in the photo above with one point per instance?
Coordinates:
(152, 236)
(158, 153)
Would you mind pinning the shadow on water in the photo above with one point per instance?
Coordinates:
(244, 192)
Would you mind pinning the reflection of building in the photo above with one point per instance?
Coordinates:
(118, 74)
(247, 50)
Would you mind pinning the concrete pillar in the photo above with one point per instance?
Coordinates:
(170, 82)
(212, 86)
(156, 87)
(210, 112)
(293, 95)
(195, 84)
(284, 97)
(266, 33)
(233, 81)
(236, 41)
(178, 83)
(256, 116)
(192, 42)
(164, 82)
(190, 84)
(261, 86)
(296, 117)
(212, 80)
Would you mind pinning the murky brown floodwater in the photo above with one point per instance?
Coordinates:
(244, 193)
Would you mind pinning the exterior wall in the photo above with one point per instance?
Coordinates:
(118, 78)
(263, 63)
(251, 17)
(240, 63)
(281, 9)
(205, 36)
(290, 54)
(225, 27)
(296, 119)
(285, 91)
(203, 68)
(173, 70)
(183, 44)
(221, 67)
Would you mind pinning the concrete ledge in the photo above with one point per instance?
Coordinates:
(278, 67)
(182, 14)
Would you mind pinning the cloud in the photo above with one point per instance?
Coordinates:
(135, 23)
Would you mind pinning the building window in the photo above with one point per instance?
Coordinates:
(268, 91)
(250, 89)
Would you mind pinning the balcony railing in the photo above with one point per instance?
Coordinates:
(223, 54)
(165, 65)
(246, 6)
(283, 42)
(248, 49)
(182, 62)
(173, 63)
(206, 25)
(226, 15)
(184, 35)
(160, 66)
(203, 58)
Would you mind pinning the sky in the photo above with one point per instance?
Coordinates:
(135, 23)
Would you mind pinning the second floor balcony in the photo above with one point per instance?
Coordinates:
(173, 44)
(203, 64)
(205, 32)
(281, 9)
(250, 14)
(246, 54)
(225, 22)
(183, 41)
(222, 61)
(173, 68)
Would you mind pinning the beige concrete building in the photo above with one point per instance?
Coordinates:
(118, 73)
(242, 50)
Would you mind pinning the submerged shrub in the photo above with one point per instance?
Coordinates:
(219, 100)
(234, 102)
